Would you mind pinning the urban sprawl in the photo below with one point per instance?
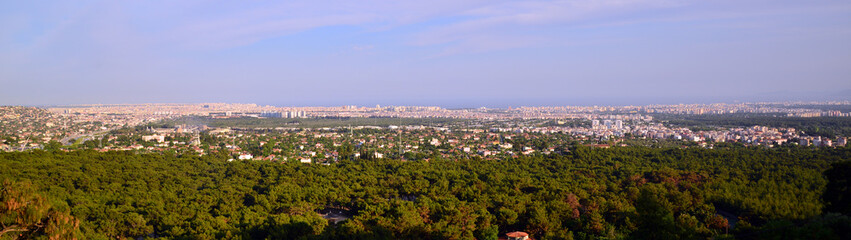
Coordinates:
(486, 133)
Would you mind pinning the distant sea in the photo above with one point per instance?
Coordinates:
(509, 102)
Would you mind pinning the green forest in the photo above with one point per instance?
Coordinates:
(587, 193)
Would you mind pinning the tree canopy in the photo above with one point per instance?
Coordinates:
(587, 193)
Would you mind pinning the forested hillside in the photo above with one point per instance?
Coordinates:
(616, 193)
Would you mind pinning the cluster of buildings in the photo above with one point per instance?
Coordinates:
(791, 109)
(607, 124)
(290, 114)
(822, 142)
(756, 135)
(24, 128)
(133, 114)
(328, 145)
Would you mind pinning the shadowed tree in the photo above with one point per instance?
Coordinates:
(655, 218)
(837, 193)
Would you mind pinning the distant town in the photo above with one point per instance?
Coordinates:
(329, 134)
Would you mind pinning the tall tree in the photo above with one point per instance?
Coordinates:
(25, 213)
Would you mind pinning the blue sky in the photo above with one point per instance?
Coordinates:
(449, 53)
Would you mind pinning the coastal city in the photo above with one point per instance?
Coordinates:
(396, 132)
(440, 120)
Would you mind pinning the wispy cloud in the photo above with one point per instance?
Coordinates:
(478, 25)
(247, 26)
(520, 24)
(241, 32)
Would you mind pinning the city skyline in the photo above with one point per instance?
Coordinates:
(448, 54)
(487, 103)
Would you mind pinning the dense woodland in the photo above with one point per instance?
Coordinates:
(587, 193)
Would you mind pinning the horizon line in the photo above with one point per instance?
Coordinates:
(844, 101)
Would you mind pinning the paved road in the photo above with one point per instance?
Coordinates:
(73, 138)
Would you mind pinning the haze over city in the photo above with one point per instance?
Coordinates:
(461, 119)
(444, 53)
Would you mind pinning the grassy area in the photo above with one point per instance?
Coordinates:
(78, 141)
